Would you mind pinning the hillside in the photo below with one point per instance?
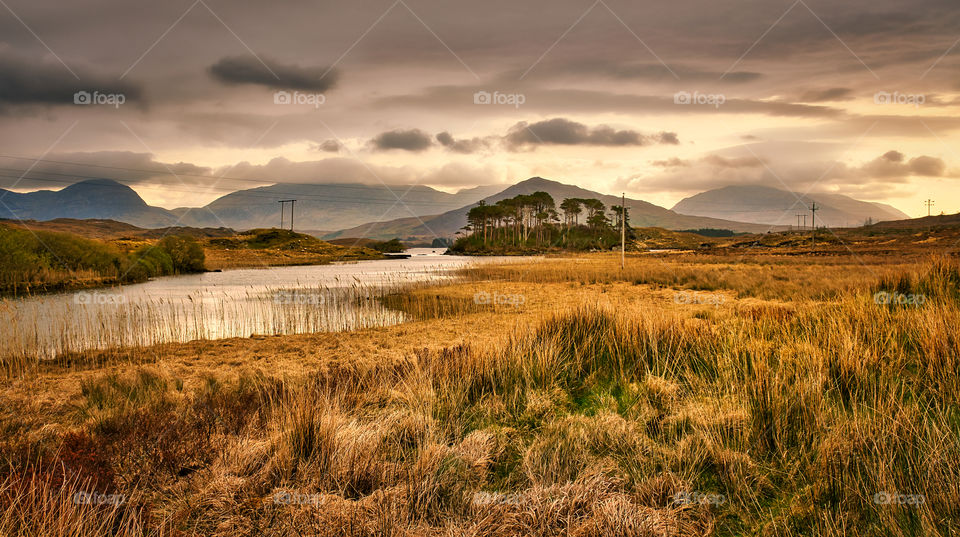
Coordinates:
(927, 222)
(275, 247)
(95, 228)
(642, 214)
(772, 206)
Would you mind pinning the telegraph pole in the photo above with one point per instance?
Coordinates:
(623, 230)
(282, 205)
(813, 217)
(798, 220)
(928, 203)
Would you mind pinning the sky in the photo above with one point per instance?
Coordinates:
(187, 100)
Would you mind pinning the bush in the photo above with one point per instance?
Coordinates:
(392, 246)
(185, 252)
(45, 260)
(148, 262)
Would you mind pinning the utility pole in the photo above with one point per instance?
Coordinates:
(928, 203)
(623, 230)
(813, 218)
(282, 205)
(798, 220)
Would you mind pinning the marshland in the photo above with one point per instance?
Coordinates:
(686, 394)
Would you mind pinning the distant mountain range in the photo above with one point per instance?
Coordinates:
(642, 214)
(319, 207)
(327, 206)
(772, 206)
(373, 211)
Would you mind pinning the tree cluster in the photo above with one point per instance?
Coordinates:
(533, 221)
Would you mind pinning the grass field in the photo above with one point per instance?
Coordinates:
(686, 395)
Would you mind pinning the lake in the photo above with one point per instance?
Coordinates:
(214, 305)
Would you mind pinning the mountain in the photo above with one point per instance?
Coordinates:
(96, 198)
(642, 214)
(327, 206)
(767, 205)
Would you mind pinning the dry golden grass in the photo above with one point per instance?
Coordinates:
(684, 396)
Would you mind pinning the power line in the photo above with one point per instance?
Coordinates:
(814, 209)
(929, 204)
(623, 230)
(292, 205)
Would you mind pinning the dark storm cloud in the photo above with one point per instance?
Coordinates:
(895, 164)
(28, 81)
(328, 146)
(562, 131)
(407, 140)
(669, 138)
(249, 70)
(465, 146)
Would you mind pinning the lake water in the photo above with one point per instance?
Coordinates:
(214, 305)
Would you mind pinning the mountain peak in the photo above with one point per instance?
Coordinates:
(761, 204)
(94, 198)
(98, 182)
(537, 180)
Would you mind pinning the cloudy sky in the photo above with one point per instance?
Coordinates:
(190, 99)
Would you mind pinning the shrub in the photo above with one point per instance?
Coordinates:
(185, 253)
(392, 246)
